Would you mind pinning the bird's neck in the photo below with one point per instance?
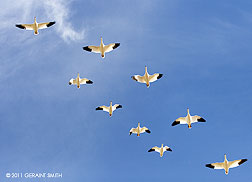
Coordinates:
(188, 112)
(102, 43)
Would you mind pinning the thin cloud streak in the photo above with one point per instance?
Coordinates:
(61, 13)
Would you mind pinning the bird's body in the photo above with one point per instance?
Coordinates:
(146, 78)
(226, 165)
(110, 108)
(102, 49)
(160, 150)
(139, 130)
(35, 26)
(188, 120)
(79, 81)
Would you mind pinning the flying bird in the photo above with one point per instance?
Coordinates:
(35, 26)
(188, 120)
(102, 49)
(139, 130)
(160, 150)
(146, 78)
(226, 165)
(79, 81)
(110, 108)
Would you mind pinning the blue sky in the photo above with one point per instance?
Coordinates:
(203, 48)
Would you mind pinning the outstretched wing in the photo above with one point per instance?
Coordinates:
(181, 120)
(103, 108)
(155, 77)
(72, 82)
(110, 47)
(144, 129)
(116, 106)
(85, 81)
(133, 130)
(45, 25)
(197, 119)
(139, 78)
(236, 163)
(25, 26)
(94, 49)
(216, 165)
(167, 148)
(157, 149)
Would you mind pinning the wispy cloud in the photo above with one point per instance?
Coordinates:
(56, 9)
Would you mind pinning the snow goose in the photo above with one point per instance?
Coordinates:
(160, 150)
(35, 26)
(139, 130)
(226, 165)
(110, 108)
(79, 81)
(146, 78)
(102, 49)
(188, 119)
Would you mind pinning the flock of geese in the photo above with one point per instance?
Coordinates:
(146, 79)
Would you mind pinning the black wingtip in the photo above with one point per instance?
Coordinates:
(175, 123)
(133, 77)
(210, 166)
(120, 106)
(169, 149)
(20, 26)
(50, 23)
(98, 108)
(159, 76)
(70, 83)
(87, 49)
(242, 161)
(148, 131)
(130, 133)
(89, 82)
(151, 150)
(201, 120)
(116, 45)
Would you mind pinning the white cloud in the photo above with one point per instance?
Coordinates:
(58, 8)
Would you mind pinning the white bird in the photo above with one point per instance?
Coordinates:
(146, 78)
(188, 119)
(110, 108)
(139, 130)
(226, 165)
(102, 49)
(79, 81)
(35, 26)
(160, 150)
